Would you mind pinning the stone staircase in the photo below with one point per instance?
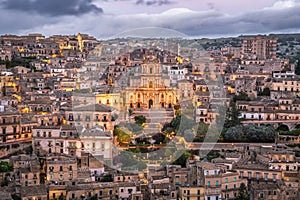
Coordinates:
(155, 115)
(152, 128)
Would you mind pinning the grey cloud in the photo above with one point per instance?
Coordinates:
(153, 2)
(52, 7)
(217, 23)
(192, 23)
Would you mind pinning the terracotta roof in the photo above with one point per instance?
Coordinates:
(37, 190)
(95, 108)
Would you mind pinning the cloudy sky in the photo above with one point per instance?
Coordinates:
(105, 18)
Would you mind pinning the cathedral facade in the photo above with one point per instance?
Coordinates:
(149, 87)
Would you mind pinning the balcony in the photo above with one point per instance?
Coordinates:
(212, 191)
(191, 195)
(9, 123)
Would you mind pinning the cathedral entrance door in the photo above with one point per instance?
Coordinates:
(150, 103)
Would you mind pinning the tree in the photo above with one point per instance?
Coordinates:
(94, 197)
(141, 165)
(107, 178)
(201, 132)
(173, 126)
(140, 120)
(242, 96)
(232, 116)
(265, 92)
(250, 133)
(256, 133)
(159, 138)
(123, 135)
(182, 159)
(6, 166)
(242, 193)
(235, 133)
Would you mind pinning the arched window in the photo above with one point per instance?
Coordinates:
(150, 84)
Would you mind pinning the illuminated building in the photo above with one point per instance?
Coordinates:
(150, 88)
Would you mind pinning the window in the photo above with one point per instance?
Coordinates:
(217, 183)
(261, 195)
(208, 183)
(234, 179)
(61, 168)
(87, 118)
(226, 180)
(241, 174)
(257, 175)
(150, 84)
(274, 177)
